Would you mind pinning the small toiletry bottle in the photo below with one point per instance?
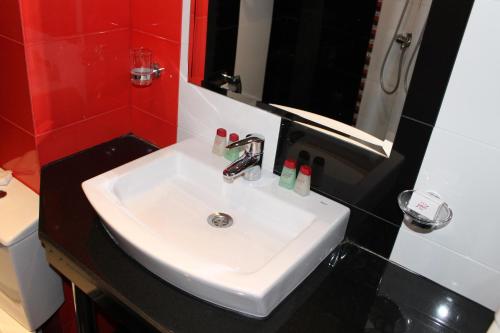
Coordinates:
(220, 142)
(303, 182)
(288, 174)
(232, 154)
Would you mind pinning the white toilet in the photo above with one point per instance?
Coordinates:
(30, 291)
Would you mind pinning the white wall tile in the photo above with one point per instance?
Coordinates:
(471, 104)
(201, 111)
(466, 175)
(462, 164)
(458, 273)
(255, 20)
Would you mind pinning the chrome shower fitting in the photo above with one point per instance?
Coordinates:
(404, 40)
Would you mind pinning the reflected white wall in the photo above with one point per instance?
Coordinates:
(254, 32)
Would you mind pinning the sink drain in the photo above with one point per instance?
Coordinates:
(220, 220)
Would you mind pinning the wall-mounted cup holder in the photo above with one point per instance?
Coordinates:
(420, 223)
(142, 69)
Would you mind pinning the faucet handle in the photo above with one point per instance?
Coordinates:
(253, 143)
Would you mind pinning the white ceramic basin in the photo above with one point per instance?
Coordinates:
(156, 210)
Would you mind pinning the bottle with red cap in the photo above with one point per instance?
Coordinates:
(233, 153)
(220, 143)
(303, 182)
(288, 174)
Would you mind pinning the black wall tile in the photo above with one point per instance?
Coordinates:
(410, 143)
(371, 232)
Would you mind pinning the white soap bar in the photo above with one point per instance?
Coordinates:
(5, 177)
(425, 204)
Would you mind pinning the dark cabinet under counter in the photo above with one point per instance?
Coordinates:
(353, 290)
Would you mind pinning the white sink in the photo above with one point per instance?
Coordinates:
(156, 210)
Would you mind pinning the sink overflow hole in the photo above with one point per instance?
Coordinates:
(3, 194)
(220, 220)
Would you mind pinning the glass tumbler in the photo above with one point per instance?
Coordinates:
(141, 71)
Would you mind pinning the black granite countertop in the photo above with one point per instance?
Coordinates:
(351, 291)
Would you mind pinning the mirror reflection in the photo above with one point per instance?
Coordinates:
(340, 67)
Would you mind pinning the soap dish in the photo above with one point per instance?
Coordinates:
(420, 223)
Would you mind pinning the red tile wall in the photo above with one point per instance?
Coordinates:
(77, 61)
(76, 55)
(154, 108)
(68, 87)
(18, 146)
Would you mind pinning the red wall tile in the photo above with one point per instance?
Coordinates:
(18, 153)
(76, 78)
(161, 98)
(10, 20)
(104, 127)
(153, 129)
(70, 87)
(70, 139)
(14, 90)
(18, 149)
(158, 17)
(46, 20)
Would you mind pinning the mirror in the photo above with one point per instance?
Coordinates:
(343, 68)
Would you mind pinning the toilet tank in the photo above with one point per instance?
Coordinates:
(30, 291)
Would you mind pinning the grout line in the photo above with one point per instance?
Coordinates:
(156, 36)
(82, 120)
(27, 67)
(28, 76)
(154, 116)
(62, 38)
(340, 200)
(464, 136)
(129, 46)
(21, 20)
(461, 255)
(348, 241)
(418, 121)
(17, 126)
(11, 39)
(389, 260)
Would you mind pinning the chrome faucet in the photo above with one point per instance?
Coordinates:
(250, 163)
